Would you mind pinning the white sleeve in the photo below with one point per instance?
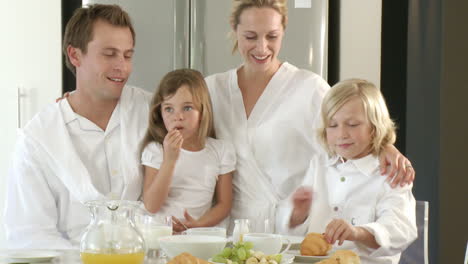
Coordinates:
(31, 214)
(395, 227)
(152, 155)
(285, 208)
(283, 214)
(314, 113)
(228, 158)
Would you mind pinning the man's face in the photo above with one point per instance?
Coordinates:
(103, 71)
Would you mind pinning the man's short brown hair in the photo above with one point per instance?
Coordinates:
(79, 29)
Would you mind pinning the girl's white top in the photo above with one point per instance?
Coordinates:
(195, 175)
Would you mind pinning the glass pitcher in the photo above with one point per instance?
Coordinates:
(112, 237)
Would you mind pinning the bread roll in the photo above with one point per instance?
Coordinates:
(342, 257)
(314, 244)
(186, 258)
(346, 257)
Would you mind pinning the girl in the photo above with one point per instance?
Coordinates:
(350, 200)
(185, 166)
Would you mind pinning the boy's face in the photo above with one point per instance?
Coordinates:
(103, 71)
(349, 132)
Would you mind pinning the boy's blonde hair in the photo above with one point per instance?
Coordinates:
(240, 5)
(168, 87)
(383, 128)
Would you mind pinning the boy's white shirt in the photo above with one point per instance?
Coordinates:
(355, 191)
(49, 181)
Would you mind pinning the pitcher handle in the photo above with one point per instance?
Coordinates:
(287, 247)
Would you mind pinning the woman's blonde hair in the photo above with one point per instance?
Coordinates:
(240, 5)
(168, 87)
(383, 127)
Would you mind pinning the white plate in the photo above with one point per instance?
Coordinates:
(287, 259)
(28, 256)
(307, 259)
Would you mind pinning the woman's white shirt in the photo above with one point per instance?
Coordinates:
(195, 176)
(274, 145)
(356, 192)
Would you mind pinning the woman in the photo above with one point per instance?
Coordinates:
(270, 111)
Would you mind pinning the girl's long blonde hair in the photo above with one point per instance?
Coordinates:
(169, 86)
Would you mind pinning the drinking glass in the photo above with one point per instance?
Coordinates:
(241, 227)
(153, 227)
(261, 225)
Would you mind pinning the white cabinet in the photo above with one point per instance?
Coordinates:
(31, 59)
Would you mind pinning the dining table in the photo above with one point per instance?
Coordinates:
(73, 257)
(55, 256)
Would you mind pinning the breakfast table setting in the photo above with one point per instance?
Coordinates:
(121, 232)
(289, 256)
(73, 257)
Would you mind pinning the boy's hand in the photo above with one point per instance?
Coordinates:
(172, 145)
(302, 200)
(340, 230)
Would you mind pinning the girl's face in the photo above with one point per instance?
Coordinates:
(259, 35)
(179, 112)
(349, 132)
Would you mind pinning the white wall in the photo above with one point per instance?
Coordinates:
(360, 39)
(31, 58)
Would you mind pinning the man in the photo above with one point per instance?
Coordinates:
(85, 147)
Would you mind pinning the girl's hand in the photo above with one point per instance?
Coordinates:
(340, 230)
(189, 221)
(179, 225)
(401, 170)
(302, 200)
(172, 145)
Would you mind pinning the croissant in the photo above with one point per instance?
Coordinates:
(342, 257)
(186, 258)
(346, 257)
(314, 244)
(329, 261)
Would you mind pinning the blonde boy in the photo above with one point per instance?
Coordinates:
(343, 194)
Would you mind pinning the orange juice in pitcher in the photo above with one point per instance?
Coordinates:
(99, 258)
(112, 237)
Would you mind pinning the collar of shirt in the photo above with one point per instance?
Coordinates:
(84, 123)
(366, 165)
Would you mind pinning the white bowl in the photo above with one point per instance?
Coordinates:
(203, 247)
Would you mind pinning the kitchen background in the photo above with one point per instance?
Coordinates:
(416, 51)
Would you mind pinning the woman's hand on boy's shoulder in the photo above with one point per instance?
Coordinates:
(397, 166)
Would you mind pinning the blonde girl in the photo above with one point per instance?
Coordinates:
(185, 166)
(351, 202)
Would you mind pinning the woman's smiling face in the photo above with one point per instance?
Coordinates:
(259, 35)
